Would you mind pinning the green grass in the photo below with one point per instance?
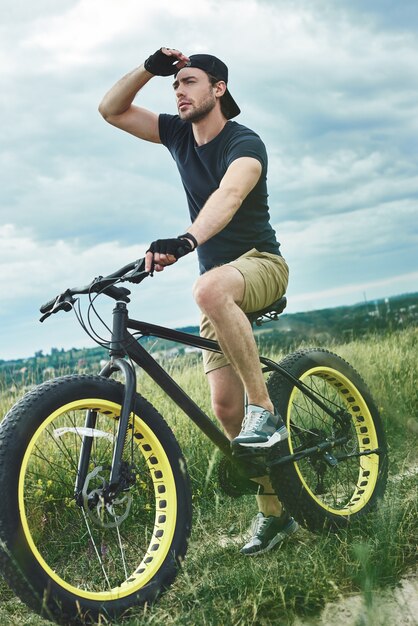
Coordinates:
(219, 587)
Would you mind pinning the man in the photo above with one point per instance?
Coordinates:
(223, 166)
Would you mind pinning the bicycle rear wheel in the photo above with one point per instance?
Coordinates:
(72, 562)
(328, 488)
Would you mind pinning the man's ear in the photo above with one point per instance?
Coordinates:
(220, 88)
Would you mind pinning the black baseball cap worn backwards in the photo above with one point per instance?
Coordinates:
(216, 68)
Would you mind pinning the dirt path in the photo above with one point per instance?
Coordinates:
(391, 607)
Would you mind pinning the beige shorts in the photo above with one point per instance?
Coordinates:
(266, 276)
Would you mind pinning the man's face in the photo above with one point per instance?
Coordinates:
(194, 94)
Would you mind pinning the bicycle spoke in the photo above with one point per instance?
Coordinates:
(111, 545)
(95, 549)
(55, 516)
(122, 552)
(309, 420)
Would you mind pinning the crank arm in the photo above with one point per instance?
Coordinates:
(357, 454)
(324, 446)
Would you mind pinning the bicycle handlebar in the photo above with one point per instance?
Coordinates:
(101, 284)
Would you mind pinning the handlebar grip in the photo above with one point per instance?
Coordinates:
(53, 306)
(48, 306)
(63, 302)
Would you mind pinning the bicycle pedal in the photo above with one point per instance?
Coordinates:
(241, 452)
(254, 462)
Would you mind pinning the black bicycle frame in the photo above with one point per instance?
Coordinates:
(160, 376)
(125, 343)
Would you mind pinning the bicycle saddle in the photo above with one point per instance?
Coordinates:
(272, 311)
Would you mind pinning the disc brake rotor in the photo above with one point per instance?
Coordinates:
(104, 511)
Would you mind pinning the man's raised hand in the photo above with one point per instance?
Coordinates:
(165, 62)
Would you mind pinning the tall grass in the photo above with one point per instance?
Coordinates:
(218, 586)
(390, 366)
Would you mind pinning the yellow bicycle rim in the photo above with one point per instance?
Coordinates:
(165, 502)
(365, 434)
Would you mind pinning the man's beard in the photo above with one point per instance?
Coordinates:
(198, 114)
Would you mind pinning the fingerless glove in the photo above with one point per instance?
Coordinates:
(160, 64)
(177, 247)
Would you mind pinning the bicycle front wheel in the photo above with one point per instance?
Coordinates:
(75, 560)
(331, 486)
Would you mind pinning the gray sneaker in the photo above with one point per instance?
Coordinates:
(268, 532)
(260, 429)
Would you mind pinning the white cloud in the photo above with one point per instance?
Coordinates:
(357, 234)
(83, 34)
(353, 293)
(330, 87)
(334, 259)
(38, 271)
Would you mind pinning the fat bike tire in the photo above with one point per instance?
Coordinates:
(71, 563)
(328, 490)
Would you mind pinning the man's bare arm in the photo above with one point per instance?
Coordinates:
(117, 108)
(239, 179)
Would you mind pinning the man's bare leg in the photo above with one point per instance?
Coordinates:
(218, 294)
(227, 393)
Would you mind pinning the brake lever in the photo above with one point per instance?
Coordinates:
(63, 302)
(138, 274)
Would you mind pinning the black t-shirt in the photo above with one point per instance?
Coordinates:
(202, 169)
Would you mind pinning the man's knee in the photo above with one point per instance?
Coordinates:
(206, 292)
(217, 288)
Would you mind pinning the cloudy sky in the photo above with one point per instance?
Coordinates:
(331, 87)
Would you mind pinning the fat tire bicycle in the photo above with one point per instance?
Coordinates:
(96, 501)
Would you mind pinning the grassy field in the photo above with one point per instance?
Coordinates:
(217, 586)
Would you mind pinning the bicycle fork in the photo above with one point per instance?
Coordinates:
(116, 364)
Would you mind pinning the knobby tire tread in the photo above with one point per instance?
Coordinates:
(19, 425)
(285, 480)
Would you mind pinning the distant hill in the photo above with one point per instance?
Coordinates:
(321, 326)
(343, 323)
